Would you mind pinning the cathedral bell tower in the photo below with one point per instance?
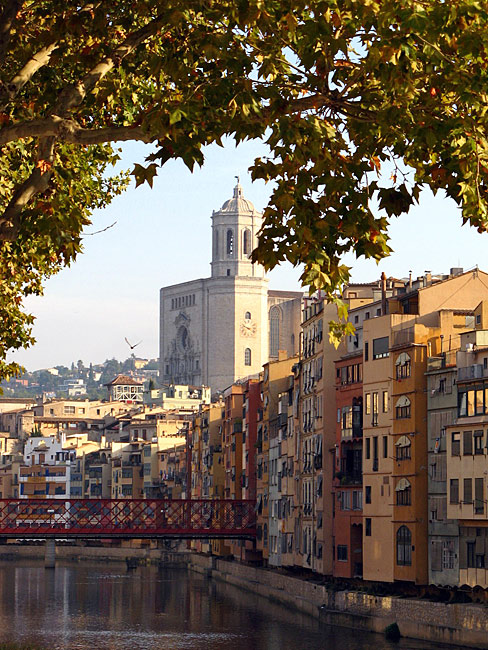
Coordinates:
(234, 236)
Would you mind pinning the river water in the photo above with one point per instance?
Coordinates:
(94, 607)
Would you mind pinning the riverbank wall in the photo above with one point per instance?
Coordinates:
(456, 624)
(174, 559)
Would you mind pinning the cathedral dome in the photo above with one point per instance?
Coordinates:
(238, 204)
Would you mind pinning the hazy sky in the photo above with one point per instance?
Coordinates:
(163, 236)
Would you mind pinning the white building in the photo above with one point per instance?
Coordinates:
(216, 330)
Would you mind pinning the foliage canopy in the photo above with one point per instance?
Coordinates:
(339, 90)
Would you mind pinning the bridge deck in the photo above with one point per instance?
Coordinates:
(127, 518)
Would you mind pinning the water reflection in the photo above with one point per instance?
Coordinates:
(85, 607)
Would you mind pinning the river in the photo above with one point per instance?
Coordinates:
(106, 607)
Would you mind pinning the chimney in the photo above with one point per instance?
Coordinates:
(428, 278)
(383, 293)
(410, 280)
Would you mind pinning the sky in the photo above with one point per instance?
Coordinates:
(163, 236)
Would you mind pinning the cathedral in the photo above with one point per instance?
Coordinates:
(217, 330)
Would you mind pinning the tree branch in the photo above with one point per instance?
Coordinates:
(38, 181)
(7, 17)
(67, 130)
(73, 95)
(40, 59)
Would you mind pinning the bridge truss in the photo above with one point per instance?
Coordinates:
(127, 518)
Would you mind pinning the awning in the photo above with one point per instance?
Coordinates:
(403, 441)
(402, 401)
(402, 484)
(402, 359)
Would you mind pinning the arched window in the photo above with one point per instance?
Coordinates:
(402, 408)
(404, 546)
(230, 242)
(403, 492)
(403, 366)
(274, 331)
(248, 315)
(246, 242)
(247, 357)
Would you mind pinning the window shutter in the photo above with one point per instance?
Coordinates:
(467, 443)
(463, 553)
(480, 545)
(436, 556)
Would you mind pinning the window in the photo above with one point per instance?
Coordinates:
(380, 348)
(357, 500)
(385, 401)
(368, 448)
(454, 490)
(479, 503)
(367, 527)
(274, 331)
(247, 357)
(367, 494)
(455, 443)
(69, 410)
(246, 242)
(385, 446)
(403, 492)
(402, 408)
(375, 447)
(448, 555)
(230, 242)
(403, 366)
(467, 443)
(404, 546)
(366, 351)
(403, 446)
(478, 442)
(247, 315)
(468, 490)
(342, 553)
(470, 552)
(367, 404)
(374, 419)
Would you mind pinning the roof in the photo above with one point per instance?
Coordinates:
(124, 380)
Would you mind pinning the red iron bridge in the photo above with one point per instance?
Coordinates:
(127, 518)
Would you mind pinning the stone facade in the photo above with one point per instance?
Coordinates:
(214, 331)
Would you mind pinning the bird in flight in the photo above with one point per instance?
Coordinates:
(130, 344)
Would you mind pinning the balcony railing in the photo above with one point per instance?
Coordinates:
(475, 371)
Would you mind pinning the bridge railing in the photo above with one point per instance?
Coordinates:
(76, 518)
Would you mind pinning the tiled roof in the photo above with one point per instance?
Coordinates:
(124, 380)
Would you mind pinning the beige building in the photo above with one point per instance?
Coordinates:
(216, 330)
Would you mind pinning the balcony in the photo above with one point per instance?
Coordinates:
(403, 337)
(444, 360)
(351, 478)
(475, 371)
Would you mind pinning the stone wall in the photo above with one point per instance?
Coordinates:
(463, 625)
